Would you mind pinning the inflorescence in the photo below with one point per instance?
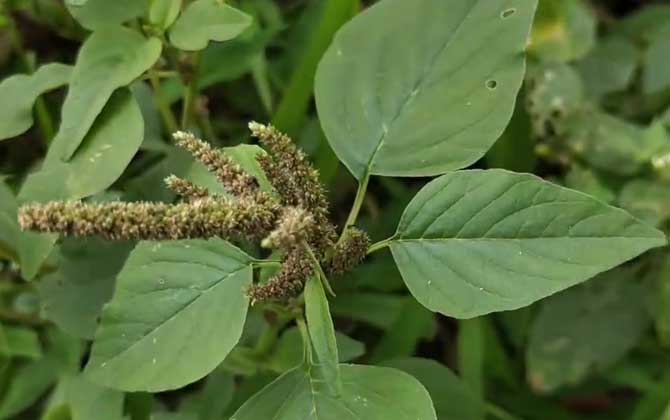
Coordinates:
(292, 220)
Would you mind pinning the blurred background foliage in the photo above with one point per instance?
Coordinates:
(594, 115)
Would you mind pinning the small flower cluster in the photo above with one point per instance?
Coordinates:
(294, 221)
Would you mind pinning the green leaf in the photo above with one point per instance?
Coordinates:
(609, 67)
(104, 155)
(19, 93)
(376, 309)
(452, 399)
(215, 397)
(661, 307)
(370, 393)
(648, 200)
(573, 336)
(585, 180)
(613, 144)
(656, 75)
(426, 99)
(242, 154)
(97, 14)
(178, 310)
(645, 23)
(245, 155)
(474, 242)
(471, 350)
(31, 380)
(109, 59)
(73, 296)
(207, 20)
(163, 13)
(22, 342)
(9, 227)
(87, 400)
(322, 333)
(564, 30)
(413, 323)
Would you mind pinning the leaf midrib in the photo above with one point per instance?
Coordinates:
(417, 86)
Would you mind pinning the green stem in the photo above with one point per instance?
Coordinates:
(358, 203)
(499, 412)
(306, 341)
(190, 93)
(168, 117)
(322, 275)
(44, 120)
(379, 245)
(267, 263)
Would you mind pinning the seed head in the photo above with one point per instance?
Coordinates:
(296, 181)
(289, 280)
(349, 252)
(204, 218)
(295, 226)
(230, 174)
(186, 189)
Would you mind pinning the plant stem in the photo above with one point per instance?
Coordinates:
(190, 93)
(322, 275)
(168, 117)
(379, 245)
(44, 120)
(499, 412)
(358, 202)
(306, 341)
(267, 263)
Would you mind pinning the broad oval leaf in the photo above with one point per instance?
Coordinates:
(451, 396)
(178, 309)
(475, 242)
(585, 330)
(19, 93)
(322, 332)
(96, 14)
(109, 59)
(370, 393)
(106, 151)
(207, 20)
(429, 97)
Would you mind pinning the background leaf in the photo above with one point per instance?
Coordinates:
(73, 296)
(391, 108)
(178, 310)
(19, 93)
(207, 20)
(573, 337)
(507, 240)
(452, 399)
(96, 14)
(109, 59)
(163, 13)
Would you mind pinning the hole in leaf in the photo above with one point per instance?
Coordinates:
(491, 84)
(507, 13)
